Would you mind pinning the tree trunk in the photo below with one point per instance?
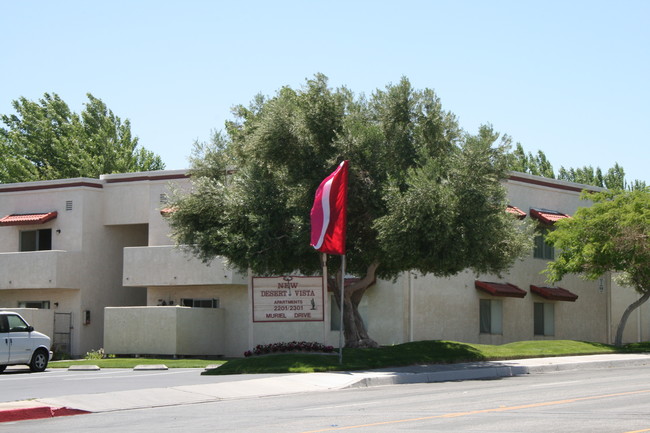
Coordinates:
(355, 331)
(633, 306)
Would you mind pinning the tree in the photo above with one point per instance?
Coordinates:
(524, 162)
(45, 140)
(423, 194)
(611, 236)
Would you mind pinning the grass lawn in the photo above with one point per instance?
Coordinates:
(132, 362)
(421, 352)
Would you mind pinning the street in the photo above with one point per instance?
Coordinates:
(588, 400)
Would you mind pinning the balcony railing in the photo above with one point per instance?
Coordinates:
(170, 266)
(54, 269)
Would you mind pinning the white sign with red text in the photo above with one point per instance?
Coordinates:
(288, 299)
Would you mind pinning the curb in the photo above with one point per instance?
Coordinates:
(38, 412)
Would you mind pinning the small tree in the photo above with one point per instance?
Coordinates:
(45, 140)
(613, 235)
(423, 194)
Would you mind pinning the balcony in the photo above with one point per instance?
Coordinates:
(53, 269)
(169, 266)
(164, 331)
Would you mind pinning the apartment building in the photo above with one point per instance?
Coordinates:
(92, 262)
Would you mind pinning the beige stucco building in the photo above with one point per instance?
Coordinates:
(91, 261)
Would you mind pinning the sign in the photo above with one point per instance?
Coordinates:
(288, 299)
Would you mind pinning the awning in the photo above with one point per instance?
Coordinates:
(167, 211)
(547, 216)
(516, 212)
(500, 289)
(27, 218)
(554, 293)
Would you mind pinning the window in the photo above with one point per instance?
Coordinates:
(200, 303)
(542, 249)
(42, 305)
(544, 318)
(491, 316)
(16, 324)
(36, 240)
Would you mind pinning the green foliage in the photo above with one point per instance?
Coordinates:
(539, 165)
(423, 194)
(45, 140)
(114, 362)
(97, 354)
(523, 162)
(612, 235)
(613, 179)
(408, 354)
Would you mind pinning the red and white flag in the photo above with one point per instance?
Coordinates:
(329, 213)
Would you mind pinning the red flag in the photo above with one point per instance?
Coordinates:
(329, 213)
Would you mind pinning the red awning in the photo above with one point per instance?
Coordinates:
(547, 216)
(516, 212)
(500, 289)
(167, 211)
(27, 218)
(554, 293)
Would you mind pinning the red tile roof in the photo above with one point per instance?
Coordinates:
(27, 218)
(500, 289)
(516, 212)
(554, 293)
(547, 216)
(167, 211)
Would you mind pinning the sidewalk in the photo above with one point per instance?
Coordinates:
(301, 383)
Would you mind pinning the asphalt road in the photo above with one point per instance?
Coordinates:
(599, 400)
(17, 383)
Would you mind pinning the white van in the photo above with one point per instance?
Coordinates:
(20, 344)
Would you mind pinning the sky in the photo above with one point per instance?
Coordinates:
(569, 78)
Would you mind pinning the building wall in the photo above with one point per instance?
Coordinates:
(164, 331)
(233, 301)
(424, 307)
(116, 212)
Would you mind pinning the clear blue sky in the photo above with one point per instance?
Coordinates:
(570, 78)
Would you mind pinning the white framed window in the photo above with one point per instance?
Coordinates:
(491, 316)
(544, 318)
(36, 240)
(41, 305)
(200, 302)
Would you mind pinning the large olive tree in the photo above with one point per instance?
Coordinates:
(423, 194)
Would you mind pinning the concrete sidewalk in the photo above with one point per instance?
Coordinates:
(301, 383)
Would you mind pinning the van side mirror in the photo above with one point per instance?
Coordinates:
(30, 328)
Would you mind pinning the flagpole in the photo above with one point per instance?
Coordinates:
(327, 319)
(342, 304)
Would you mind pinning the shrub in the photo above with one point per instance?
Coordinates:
(294, 346)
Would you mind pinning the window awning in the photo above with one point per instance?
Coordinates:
(167, 211)
(516, 212)
(554, 293)
(19, 219)
(547, 216)
(500, 289)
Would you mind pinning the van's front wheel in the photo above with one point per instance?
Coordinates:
(2, 368)
(39, 361)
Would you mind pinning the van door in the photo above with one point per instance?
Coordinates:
(4, 340)
(20, 350)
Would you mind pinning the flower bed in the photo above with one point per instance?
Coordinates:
(294, 346)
